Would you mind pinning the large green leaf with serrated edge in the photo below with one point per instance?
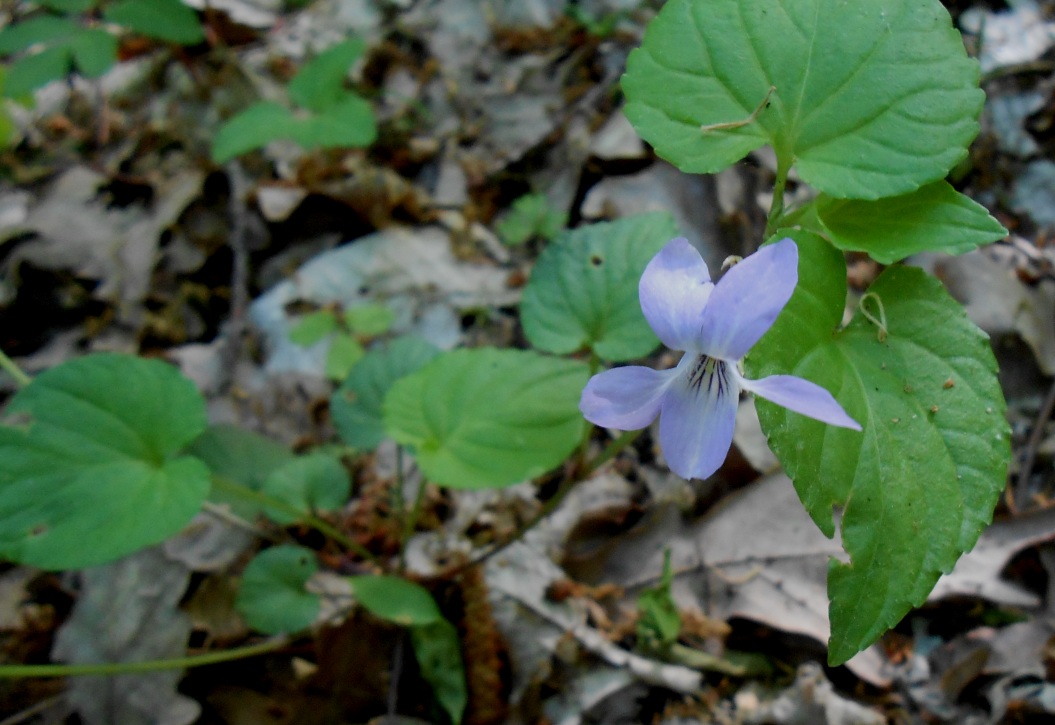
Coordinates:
(484, 418)
(583, 289)
(272, 596)
(935, 218)
(93, 455)
(356, 404)
(168, 20)
(871, 99)
(919, 484)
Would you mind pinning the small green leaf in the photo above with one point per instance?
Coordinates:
(869, 99)
(312, 327)
(94, 51)
(583, 290)
(99, 462)
(483, 418)
(394, 599)
(369, 320)
(239, 454)
(69, 6)
(168, 20)
(272, 597)
(918, 486)
(437, 648)
(660, 622)
(356, 405)
(345, 351)
(316, 482)
(531, 216)
(41, 29)
(33, 71)
(934, 218)
(350, 123)
(253, 128)
(319, 85)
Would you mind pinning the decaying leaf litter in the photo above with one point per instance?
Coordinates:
(119, 234)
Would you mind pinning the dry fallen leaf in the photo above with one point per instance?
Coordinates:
(128, 611)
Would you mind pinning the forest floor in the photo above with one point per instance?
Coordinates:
(499, 123)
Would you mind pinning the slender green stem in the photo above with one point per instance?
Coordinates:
(12, 369)
(610, 451)
(776, 211)
(587, 433)
(410, 522)
(128, 668)
(244, 492)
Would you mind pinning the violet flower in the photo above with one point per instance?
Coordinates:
(715, 324)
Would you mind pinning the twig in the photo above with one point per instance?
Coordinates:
(1016, 501)
(239, 219)
(551, 505)
(21, 717)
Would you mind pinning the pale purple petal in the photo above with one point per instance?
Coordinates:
(696, 421)
(673, 292)
(747, 300)
(801, 396)
(625, 398)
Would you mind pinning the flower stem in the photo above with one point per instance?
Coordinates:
(127, 668)
(411, 516)
(12, 369)
(776, 211)
(244, 492)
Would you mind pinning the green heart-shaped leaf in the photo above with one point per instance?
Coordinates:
(918, 485)
(316, 482)
(868, 99)
(483, 418)
(583, 290)
(356, 405)
(99, 462)
(272, 597)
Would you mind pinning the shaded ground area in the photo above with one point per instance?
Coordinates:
(499, 123)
